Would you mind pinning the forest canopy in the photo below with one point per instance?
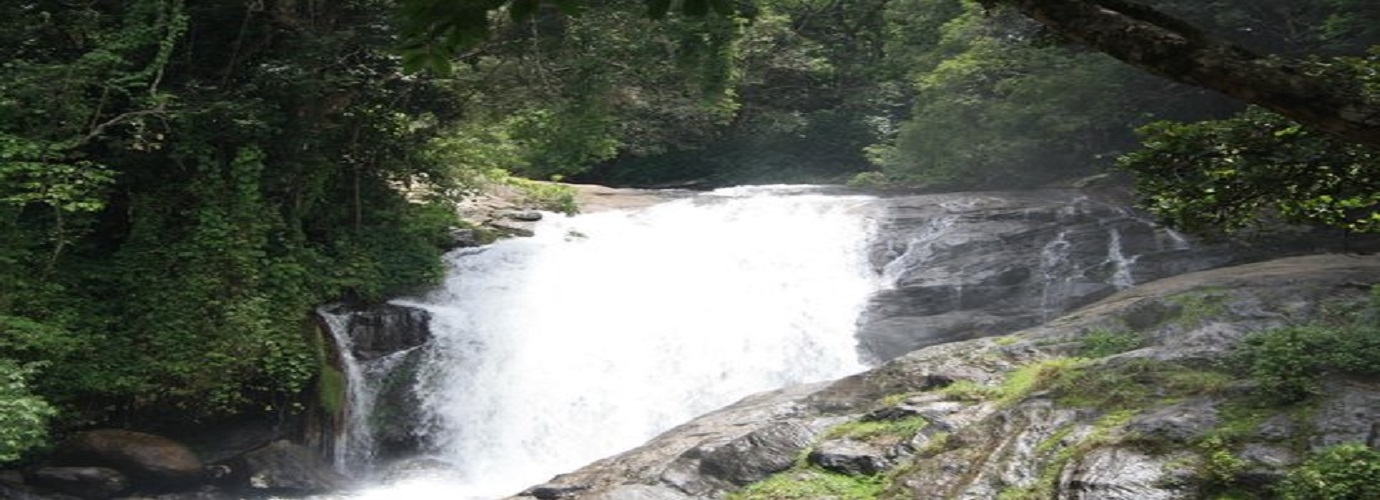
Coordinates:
(181, 183)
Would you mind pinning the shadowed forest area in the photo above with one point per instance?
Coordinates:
(181, 183)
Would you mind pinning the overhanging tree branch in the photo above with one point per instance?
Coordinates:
(1156, 42)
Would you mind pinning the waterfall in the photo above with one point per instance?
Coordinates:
(354, 444)
(605, 329)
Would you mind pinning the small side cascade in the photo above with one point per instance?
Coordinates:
(373, 344)
(355, 443)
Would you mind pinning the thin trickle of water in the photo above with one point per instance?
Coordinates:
(1055, 271)
(1121, 265)
(606, 329)
(918, 251)
(1178, 239)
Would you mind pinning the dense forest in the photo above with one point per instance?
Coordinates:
(181, 183)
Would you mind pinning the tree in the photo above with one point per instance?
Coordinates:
(1156, 42)
(1128, 30)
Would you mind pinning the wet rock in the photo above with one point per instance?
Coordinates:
(149, 461)
(847, 456)
(1180, 423)
(385, 329)
(639, 492)
(1117, 474)
(969, 265)
(522, 215)
(553, 491)
(285, 468)
(465, 238)
(758, 454)
(83, 482)
(1348, 413)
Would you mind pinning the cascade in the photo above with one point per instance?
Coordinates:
(605, 329)
(354, 444)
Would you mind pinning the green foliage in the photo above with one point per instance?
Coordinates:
(1346, 471)
(811, 483)
(1103, 343)
(1287, 363)
(23, 415)
(1252, 169)
(179, 204)
(877, 430)
(1220, 467)
(1035, 377)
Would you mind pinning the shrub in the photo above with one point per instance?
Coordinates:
(1287, 363)
(1347, 471)
(23, 416)
(1103, 343)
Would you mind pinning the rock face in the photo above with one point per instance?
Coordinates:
(385, 329)
(958, 266)
(1138, 425)
(153, 462)
(282, 468)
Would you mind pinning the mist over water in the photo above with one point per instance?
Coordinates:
(605, 329)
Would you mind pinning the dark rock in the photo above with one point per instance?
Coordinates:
(203, 493)
(846, 456)
(19, 491)
(465, 238)
(522, 215)
(758, 454)
(84, 482)
(512, 228)
(1180, 423)
(229, 438)
(553, 491)
(282, 467)
(385, 329)
(150, 461)
(398, 416)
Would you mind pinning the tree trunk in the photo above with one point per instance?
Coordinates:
(1161, 44)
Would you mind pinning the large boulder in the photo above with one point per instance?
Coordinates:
(382, 330)
(150, 461)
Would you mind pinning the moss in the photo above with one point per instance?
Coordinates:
(968, 390)
(1034, 377)
(895, 399)
(1100, 343)
(811, 483)
(1199, 305)
(877, 430)
(330, 387)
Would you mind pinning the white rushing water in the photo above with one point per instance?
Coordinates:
(606, 329)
